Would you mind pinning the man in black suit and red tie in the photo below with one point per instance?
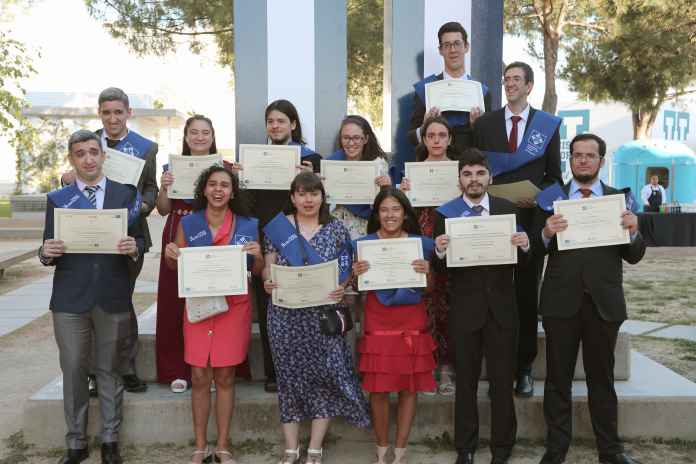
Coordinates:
(522, 143)
(582, 300)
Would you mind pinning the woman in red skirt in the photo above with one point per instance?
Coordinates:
(396, 348)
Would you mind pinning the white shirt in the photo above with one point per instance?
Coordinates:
(647, 191)
(103, 136)
(101, 187)
(521, 124)
(444, 76)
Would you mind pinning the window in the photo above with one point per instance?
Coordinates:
(662, 176)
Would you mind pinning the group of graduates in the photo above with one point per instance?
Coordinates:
(462, 315)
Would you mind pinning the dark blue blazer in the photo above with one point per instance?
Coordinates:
(82, 279)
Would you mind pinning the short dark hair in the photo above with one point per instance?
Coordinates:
(410, 226)
(289, 110)
(473, 157)
(452, 26)
(581, 137)
(528, 72)
(654, 175)
(240, 204)
(309, 182)
(452, 150)
(82, 136)
(185, 149)
(113, 94)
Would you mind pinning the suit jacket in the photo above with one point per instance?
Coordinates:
(569, 272)
(490, 134)
(476, 290)
(464, 134)
(82, 279)
(147, 185)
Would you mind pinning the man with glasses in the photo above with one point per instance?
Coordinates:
(523, 143)
(582, 300)
(453, 47)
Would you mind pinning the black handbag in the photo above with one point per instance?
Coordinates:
(334, 321)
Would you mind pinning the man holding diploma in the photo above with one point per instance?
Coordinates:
(91, 294)
(483, 316)
(582, 299)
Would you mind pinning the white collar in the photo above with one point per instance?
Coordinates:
(447, 76)
(596, 188)
(485, 202)
(81, 185)
(524, 114)
(105, 136)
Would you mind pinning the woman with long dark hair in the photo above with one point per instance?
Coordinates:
(216, 345)
(437, 144)
(396, 348)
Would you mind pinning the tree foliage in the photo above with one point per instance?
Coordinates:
(10, 8)
(647, 57)
(15, 64)
(42, 154)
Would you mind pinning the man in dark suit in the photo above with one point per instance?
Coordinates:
(582, 299)
(91, 294)
(453, 46)
(503, 131)
(114, 111)
(483, 317)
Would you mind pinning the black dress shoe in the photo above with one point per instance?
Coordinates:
(495, 460)
(133, 384)
(552, 458)
(525, 386)
(74, 456)
(93, 385)
(616, 459)
(465, 458)
(110, 453)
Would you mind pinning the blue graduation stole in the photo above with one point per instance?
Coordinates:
(362, 211)
(396, 176)
(546, 197)
(71, 197)
(400, 296)
(197, 232)
(284, 237)
(304, 151)
(456, 208)
(186, 200)
(455, 118)
(134, 144)
(539, 133)
(631, 203)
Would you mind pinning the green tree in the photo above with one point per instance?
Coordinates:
(647, 58)
(15, 64)
(9, 8)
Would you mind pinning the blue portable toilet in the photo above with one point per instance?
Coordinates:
(674, 163)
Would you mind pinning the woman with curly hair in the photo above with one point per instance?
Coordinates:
(214, 346)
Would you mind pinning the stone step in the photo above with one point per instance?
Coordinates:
(146, 363)
(655, 402)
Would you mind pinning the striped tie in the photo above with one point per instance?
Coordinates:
(92, 195)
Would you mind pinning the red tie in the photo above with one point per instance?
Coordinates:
(513, 134)
(586, 193)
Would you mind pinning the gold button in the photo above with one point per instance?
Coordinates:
(210, 332)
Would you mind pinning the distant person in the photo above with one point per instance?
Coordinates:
(453, 45)
(92, 295)
(653, 196)
(582, 301)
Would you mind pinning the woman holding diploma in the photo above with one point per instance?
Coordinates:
(314, 371)
(216, 345)
(438, 144)
(396, 348)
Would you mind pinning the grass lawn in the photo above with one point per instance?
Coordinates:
(5, 207)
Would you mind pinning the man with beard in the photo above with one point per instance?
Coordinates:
(483, 317)
(582, 300)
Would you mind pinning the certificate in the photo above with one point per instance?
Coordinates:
(212, 271)
(269, 167)
(350, 182)
(186, 170)
(90, 230)
(390, 264)
(433, 184)
(592, 222)
(524, 190)
(479, 240)
(306, 286)
(122, 168)
(454, 95)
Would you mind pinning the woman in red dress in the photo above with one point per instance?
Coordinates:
(396, 348)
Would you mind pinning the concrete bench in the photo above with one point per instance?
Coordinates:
(9, 258)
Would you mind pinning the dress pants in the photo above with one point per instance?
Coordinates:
(467, 348)
(73, 332)
(563, 337)
(262, 310)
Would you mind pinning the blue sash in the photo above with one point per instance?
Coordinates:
(540, 130)
(546, 197)
(362, 211)
(631, 203)
(304, 150)
(197, 232)
(455, 208)
(400, 296)
(455, 118)
(71, 197)
(284, 237)
(134, 144)
(396, 176)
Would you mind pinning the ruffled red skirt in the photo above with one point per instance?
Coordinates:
(396, 350)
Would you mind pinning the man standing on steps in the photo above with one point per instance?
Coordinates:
(582, 300)
(91, 295)
(453, 46)
(114, 111)
(523, 144)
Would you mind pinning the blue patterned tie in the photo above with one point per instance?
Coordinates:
(477, 209)
(92, 195)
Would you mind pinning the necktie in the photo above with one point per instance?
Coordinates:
(585, 193)
(513, 134)
(111, 143)
(92, 195)
(477, 209)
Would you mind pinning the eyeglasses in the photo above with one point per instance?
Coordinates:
(457, 45)
(516, 80)
(589, 157)
(356, 140)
